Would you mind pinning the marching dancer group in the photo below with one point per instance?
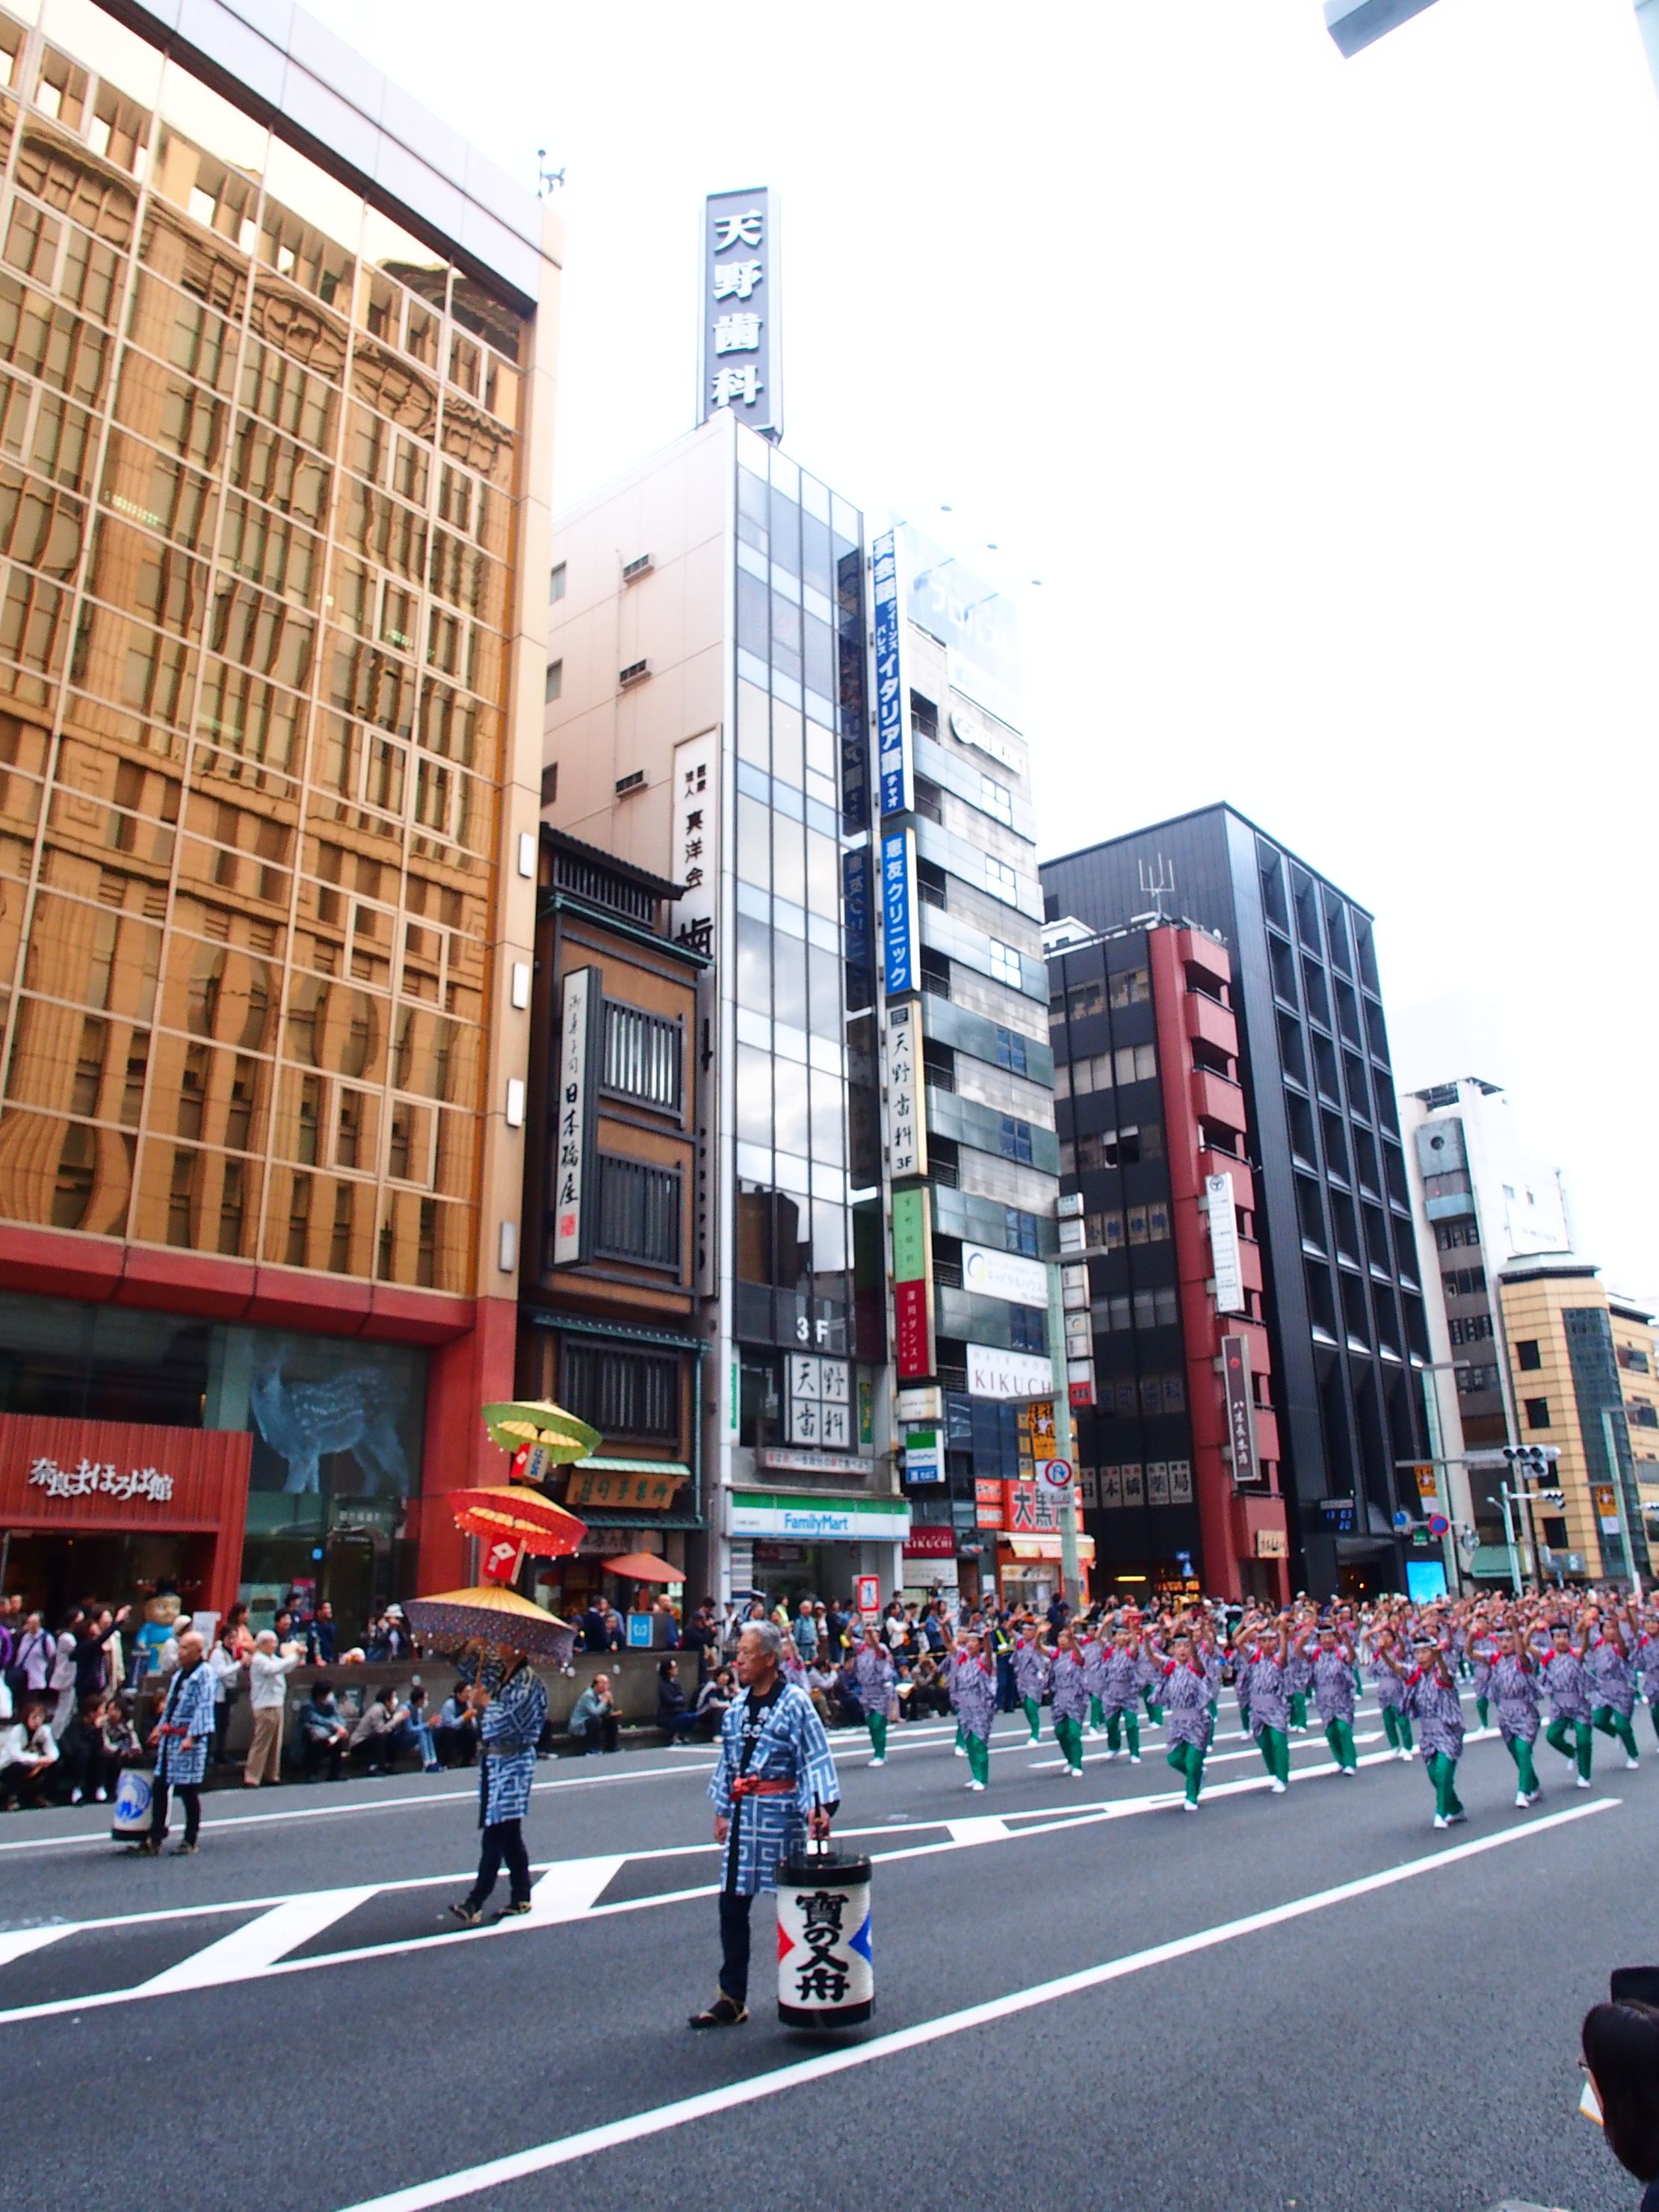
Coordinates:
(1563, 1664)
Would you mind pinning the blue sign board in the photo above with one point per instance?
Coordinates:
(639, 1631)
(1426, 1581)
(900, 963)
(892, 722)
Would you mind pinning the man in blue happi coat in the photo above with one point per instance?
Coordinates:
(775, 1784)
(180, 1740)
(506, 1694)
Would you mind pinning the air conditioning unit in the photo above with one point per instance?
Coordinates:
(636, 672)
(627, 783)
(639, 567)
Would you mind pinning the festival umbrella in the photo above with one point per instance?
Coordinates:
(520, 1514)
(492, 1615)
(643, 1567)
(540, 1425)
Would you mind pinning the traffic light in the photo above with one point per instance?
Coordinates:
(1556, 1498)
(1531, 1461)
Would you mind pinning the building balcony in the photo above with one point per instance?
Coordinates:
(1209, 1019)
(1216, 1099)
(1204, 957)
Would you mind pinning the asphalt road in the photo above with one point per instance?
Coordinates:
(1312, 2002)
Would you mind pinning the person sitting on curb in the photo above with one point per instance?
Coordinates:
(594, 1719)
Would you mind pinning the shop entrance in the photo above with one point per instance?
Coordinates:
(791, 1571)
(53, 1572)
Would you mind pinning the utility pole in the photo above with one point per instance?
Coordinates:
(1071, 1573)
(1615, 1483)
(1502, 1501)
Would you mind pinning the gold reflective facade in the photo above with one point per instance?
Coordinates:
(259, 459)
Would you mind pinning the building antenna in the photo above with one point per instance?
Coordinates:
(1155, 882)
(547, 181)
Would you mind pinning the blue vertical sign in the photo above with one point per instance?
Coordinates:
(900, 961)
(892, 726)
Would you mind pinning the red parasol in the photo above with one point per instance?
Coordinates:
(522, 1516)
(644, 1567)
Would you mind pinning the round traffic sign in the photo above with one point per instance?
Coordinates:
(1054, 1474)
(1402, 1519)
(1438, 1524)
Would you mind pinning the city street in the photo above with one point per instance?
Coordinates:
(1312, 2001)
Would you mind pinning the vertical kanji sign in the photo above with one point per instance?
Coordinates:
(741, 354)
(580, 1002)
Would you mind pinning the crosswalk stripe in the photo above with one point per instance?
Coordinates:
(249, 1950)
(983, 1830)
(570, 1890)
(19, 1941)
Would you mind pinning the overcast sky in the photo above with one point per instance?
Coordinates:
(1319, 395)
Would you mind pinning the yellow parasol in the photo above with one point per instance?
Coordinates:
(492, 1614)
(539, 1425)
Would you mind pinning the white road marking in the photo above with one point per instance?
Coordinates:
(518, 2166)
(253, 1949)
(570, 1889)
(22, 1940)
(986, 1831)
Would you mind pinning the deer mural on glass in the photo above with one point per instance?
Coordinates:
(351, 1413)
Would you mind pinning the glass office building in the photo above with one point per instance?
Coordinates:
(273, 447)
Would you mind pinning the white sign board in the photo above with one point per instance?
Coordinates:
(1224, 1243)
(1011, 1376)
(996, 1274)
(1054, 1475)
(907, 1124)
(820, 1410)
(571, 1133)
(694, 857)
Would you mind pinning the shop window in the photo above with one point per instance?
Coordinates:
(640, 1213)
(643, 1056)
(1528, 1354)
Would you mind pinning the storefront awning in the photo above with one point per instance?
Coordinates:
(1047, 1547)
(602, 1466)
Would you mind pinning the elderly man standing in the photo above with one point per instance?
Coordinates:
(267, 1673)
(775, 1784)
(180, 1740)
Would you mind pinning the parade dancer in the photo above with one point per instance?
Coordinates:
(1184, 1696)
(1432, 1698)
(1149, 1674)
(1120, 1675)
(1070, 1697)
(876, 1675)
(506, 1692)
(775, 1784)
(1095, 1651)
(1647, 1667)
(1391, 1696)
(1512, 1682)
(1268, 1654)
(1607, 1656)
(1031, 1677)
(1298, 1680)
(1330, 1670)
(180, 1738)
(974, 1694)
(1568, 1682)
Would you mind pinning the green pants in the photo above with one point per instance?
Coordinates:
(1397, 1728)
(1443, 1772)
(1480, 1710)
(1154, 1711)
(1096, 1714)
(1611, 1721)
(1188, 1761)
(1653, 1708)
(1244, 1717)
(1298, 1708)
(1130, 1721)
(1033, 1713)
(877, 1725)
(979, 1757)
(961, 1740)
(1339, 1734)
(1275, 1748)
(1526, 1772)
(1581, 1748)
(1068, 1735)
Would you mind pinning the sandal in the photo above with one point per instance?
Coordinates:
(468, 1915)
(725, 2012)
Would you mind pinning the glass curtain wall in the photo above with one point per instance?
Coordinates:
(799, 723)
(258, 450)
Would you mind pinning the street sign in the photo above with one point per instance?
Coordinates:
(1427, 1481)
(1402, 1519)
(1053, 1474)
(1438, 1524)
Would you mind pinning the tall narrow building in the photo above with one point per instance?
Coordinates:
(275, 406)
(1341, 1282)
(706, 722)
